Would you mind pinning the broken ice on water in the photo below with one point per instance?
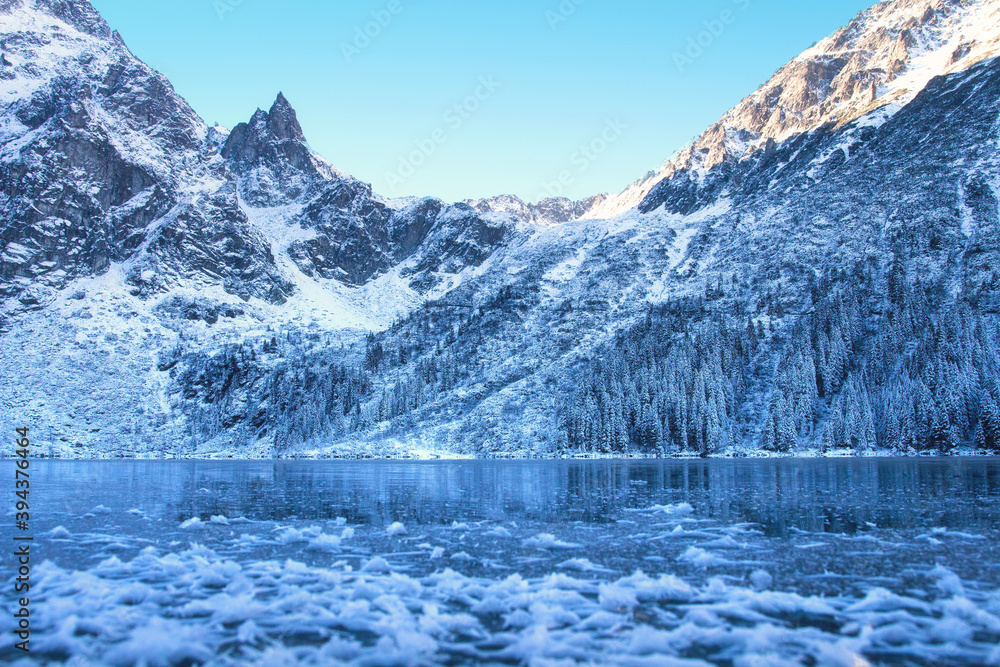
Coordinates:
(630, 563)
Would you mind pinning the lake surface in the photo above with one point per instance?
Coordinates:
(748, 562)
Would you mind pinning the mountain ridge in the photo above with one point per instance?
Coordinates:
(196, 291)
(177, 202)
(866, 65)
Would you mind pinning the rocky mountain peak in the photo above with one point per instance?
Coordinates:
(270, 157)
(280, 124)
(282, 121)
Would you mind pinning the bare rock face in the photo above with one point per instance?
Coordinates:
(209, 242)
(358, 238)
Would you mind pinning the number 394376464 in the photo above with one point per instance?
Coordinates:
(22, 481)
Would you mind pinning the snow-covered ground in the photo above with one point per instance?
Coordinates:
(281, 565)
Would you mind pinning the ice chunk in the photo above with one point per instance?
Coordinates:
(396, 529)
(565, 582)
(602, 620)
(724, 542)
(549, 541)
(249, 633)
(947, 581)
(648, 641)
(614, 597)
(534, 644)
(881, 600)
(951, 630)
(247, 540)
(667, 588)
(291, 535)
(581, 565)
(324, 542)
(160, 642)
(701, 558)
(839, 655)
(377, 564)
(677, 511)
(761, 580)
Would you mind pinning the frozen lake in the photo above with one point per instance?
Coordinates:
(744, 563)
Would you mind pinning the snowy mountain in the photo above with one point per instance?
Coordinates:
(105, 165)
(880, 60)
(817, 272)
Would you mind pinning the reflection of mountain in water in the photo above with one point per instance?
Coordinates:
(659, 550)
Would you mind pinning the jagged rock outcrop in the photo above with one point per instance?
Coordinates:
(269, 155)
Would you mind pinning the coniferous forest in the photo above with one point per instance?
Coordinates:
(868, 365)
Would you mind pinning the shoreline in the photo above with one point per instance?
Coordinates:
(442, 457)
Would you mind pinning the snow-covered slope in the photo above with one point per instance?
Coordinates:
(838, 290)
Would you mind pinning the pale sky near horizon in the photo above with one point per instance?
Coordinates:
(463, 100)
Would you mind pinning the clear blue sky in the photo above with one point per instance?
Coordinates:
(560, 81)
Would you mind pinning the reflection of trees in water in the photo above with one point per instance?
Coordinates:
(843, 496)
(822, 496)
